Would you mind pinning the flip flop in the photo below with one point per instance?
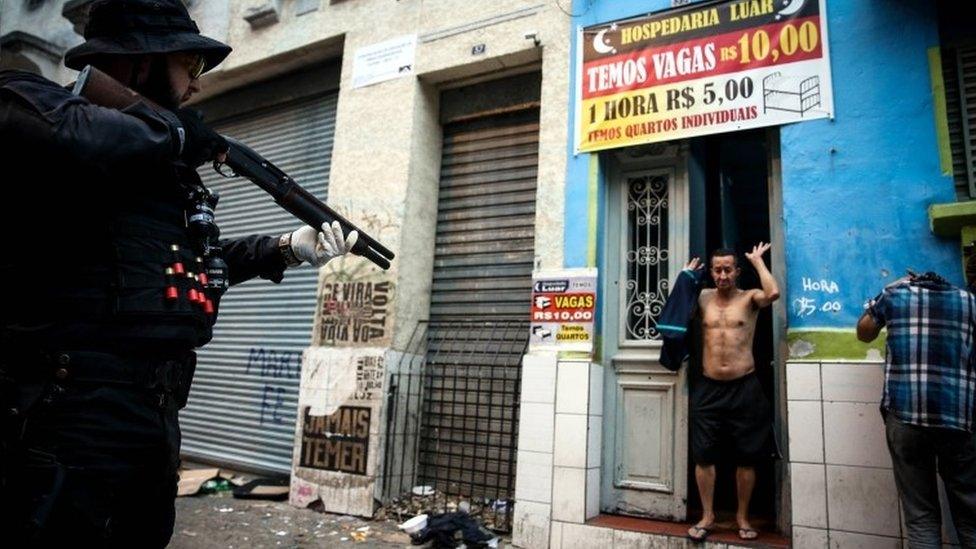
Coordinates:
(748, 534)
(702, 532)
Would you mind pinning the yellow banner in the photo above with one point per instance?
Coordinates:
(701, 69)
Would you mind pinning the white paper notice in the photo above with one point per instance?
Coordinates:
(327, 381)
(384, 61)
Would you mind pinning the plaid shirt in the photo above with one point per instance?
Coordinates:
(930, 378)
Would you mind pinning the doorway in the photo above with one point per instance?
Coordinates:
(481, 288)
(732, 187)
(664, 202)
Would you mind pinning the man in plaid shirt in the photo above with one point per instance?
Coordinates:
(928, 402)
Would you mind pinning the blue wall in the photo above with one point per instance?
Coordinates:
(588, 13)
(855, 189)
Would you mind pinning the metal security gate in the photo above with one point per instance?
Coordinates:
(482, 475)
(482, 272)
(242, 407)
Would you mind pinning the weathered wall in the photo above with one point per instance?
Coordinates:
(856, 189)
(844, 492)
(387, 136)
(45, 22)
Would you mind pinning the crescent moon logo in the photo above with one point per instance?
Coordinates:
(790, 7)
(600, 43)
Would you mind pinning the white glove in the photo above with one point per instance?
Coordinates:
(320, 248)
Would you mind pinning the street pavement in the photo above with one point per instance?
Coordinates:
(220, 521)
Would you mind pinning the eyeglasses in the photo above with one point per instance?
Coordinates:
(196, 66)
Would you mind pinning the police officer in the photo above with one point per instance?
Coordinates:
(110, 279)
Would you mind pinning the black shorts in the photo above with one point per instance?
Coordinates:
(730, 422)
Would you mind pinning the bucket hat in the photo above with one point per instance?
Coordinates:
(125, 27)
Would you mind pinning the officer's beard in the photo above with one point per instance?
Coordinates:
(157, 85)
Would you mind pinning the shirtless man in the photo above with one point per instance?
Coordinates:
(728, 401)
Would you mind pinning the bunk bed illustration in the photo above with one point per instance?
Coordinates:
(790, 93)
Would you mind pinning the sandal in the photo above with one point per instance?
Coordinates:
(700, 534)
(748, 534)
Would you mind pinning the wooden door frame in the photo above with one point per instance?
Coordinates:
(780, 308)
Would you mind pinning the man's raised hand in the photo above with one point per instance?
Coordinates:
(693, 265)
(757, 251)
(770, 290)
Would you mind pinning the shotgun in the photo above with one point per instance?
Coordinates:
(102, 89)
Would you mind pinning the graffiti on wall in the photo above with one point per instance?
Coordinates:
(334, 377)
(818, 297)
(336, 442)
(355, 296)
(369, 377)
(355, 313)
(273, 366)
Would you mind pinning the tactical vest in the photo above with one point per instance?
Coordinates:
(133, 268)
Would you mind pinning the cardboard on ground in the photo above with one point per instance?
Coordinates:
(192, 479)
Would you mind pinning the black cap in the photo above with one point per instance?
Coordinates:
(126, 27)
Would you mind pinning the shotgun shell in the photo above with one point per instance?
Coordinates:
(208, 307)
(203, 278)
(169, 271)
(178, 268)
(200, 296)
(193, 294)
(172, 294)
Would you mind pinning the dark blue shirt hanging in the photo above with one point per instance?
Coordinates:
(675, 319)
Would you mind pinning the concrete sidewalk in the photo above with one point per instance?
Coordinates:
(220, 521)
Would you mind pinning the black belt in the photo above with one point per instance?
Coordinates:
(171, 373)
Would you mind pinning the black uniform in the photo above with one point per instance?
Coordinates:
(97, 354)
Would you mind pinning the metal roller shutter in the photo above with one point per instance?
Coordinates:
(959, 75)
(479, 304)
(242, 407)
(486, 219)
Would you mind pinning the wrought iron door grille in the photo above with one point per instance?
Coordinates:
(452, 420)
(646, 255)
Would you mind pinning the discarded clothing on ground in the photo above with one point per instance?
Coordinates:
(443, 529)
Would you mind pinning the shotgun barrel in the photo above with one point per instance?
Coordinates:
(102, 89)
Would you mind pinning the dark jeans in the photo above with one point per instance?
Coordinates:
(918, 454)
(88, 462)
